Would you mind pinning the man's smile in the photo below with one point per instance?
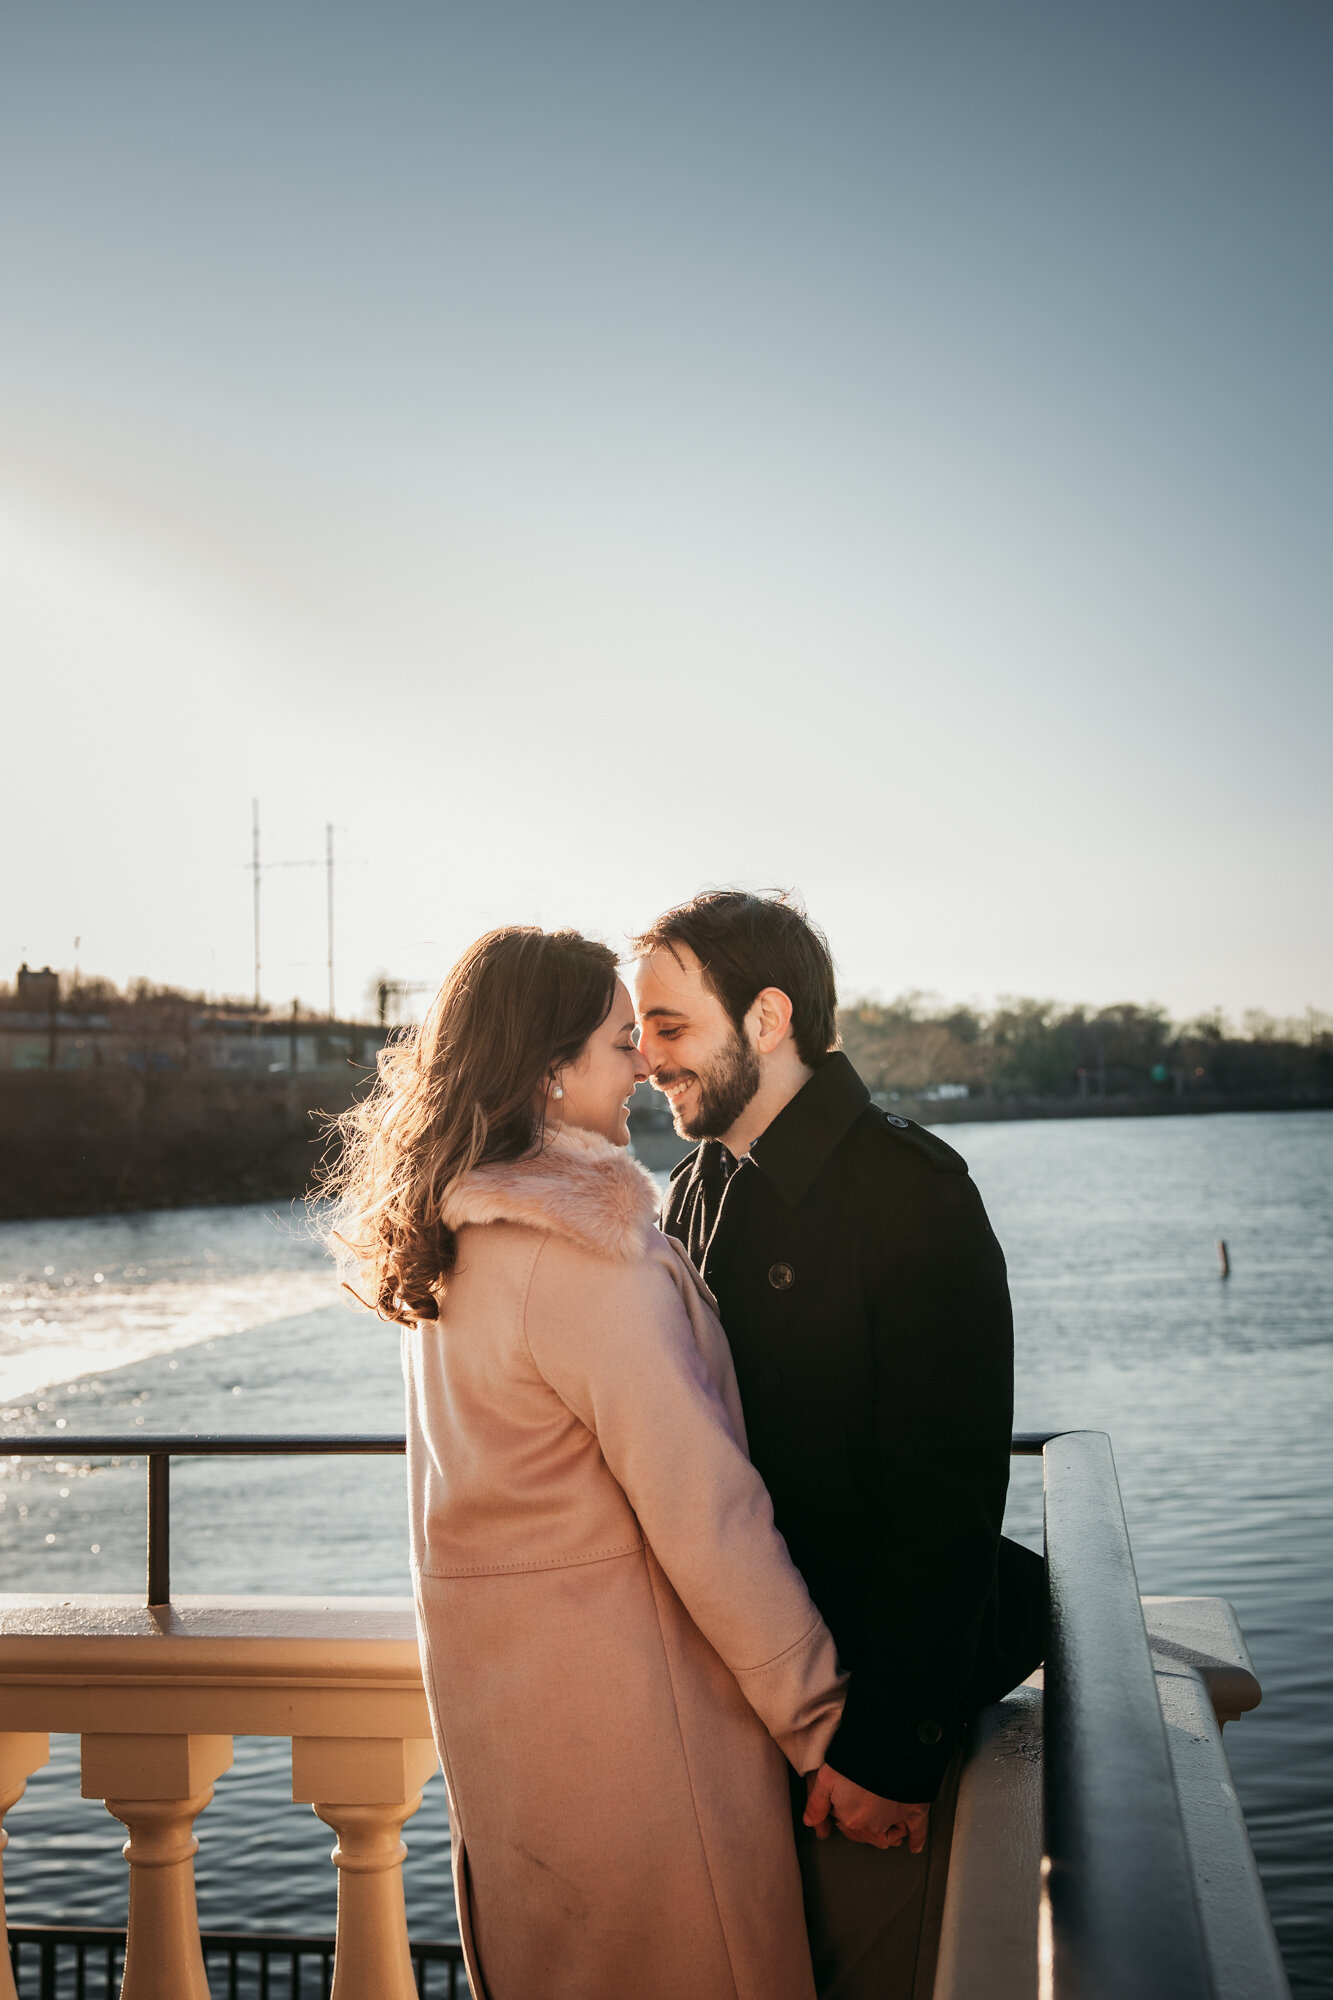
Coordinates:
(675, 1085)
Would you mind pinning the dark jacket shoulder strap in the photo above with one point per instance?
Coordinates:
(942, 1157)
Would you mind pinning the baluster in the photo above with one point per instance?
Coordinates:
(20, 1756)
(158, 1785)
(364, 1788)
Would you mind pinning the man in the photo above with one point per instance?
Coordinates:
(865, 1299)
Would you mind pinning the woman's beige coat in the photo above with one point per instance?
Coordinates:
(617, 1648)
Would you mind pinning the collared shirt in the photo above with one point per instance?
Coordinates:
(789, 1153)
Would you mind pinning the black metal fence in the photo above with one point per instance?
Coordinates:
(71, 1963)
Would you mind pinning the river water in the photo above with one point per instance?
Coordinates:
(1218, 1396)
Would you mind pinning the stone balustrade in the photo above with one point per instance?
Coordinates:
(156, 1696)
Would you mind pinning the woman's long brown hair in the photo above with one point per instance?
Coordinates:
(468, 1087)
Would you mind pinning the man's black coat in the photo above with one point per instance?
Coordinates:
(864, 1296)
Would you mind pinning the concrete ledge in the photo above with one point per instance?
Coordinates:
(1203, 1633)
(327, 1636)
(988, 1935)
(1237, 1929)
(247, 1666)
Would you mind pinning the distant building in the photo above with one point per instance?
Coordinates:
(42, 1028)
(38, 989)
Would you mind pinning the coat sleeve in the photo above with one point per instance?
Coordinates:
(615, 1343)
(943, 1341)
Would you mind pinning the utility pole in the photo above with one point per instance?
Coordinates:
(254, 867)
(328, 877)
(257, 868)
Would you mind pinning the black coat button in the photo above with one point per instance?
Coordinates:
(928, 1732)
(781, 1277)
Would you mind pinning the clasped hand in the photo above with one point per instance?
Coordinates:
(862, 1815)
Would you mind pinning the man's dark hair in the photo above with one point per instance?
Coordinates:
(744, 943)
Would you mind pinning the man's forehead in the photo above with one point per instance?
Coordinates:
(667, 979)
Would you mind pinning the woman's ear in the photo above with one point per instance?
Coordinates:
(771, 1012)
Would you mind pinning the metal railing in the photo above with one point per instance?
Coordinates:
(159, 1452)
(84, 1962)
(1119, 1910)
(1120, 1915)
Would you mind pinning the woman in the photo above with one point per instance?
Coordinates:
(617, 1649)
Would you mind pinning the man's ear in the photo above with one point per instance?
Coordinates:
(770, 1011)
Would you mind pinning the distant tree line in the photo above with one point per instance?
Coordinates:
(915, 1047)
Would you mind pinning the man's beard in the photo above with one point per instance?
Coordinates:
(725, 1087)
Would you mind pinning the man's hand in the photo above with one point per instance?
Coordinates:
(861, 1815)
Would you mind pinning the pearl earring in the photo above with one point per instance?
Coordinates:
(556, 1091)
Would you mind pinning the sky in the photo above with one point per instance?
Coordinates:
(587, 452)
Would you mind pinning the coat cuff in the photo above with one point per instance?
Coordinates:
(798, 1697)
(894, 1754)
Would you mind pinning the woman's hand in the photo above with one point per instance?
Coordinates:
(861, 1815)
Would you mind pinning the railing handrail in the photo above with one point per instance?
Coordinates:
(208, 1444)
(1031, 1444)
(1119, 1907)
(199, 1444)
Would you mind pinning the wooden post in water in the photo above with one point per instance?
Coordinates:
(1223, 1258)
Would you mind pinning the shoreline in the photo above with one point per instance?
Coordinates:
(1197, 1104)
(74, 1145)
(658, 1148)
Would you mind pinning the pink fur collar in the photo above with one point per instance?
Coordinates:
(579, 1185)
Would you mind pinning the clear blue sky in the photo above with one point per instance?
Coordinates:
(588, 451)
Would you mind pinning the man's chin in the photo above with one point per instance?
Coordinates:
(680, 1117)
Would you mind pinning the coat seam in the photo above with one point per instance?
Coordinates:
(532, 1568)
(786, 1653)
(466, 1929)
(532, 1352)
(689, 1773)
(523, 1314)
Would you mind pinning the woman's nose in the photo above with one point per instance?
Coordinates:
(641, 1069)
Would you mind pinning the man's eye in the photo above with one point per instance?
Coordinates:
(667, 1034)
